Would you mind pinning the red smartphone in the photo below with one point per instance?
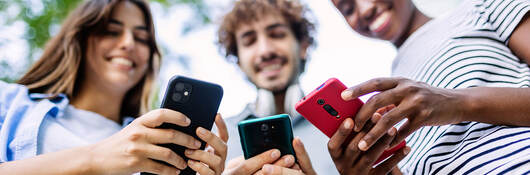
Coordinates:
(325, 108)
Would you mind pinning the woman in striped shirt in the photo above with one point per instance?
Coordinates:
(463, 102)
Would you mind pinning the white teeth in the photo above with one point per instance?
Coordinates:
(272, 67)
(379, 21)
(122, 61)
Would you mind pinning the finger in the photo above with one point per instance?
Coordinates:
(235, 162)
(389, 164)
(352, 151)
(207, 158)
(155, 118)
(337, 140)
(303, 158)
(153, 167)
(200, 168)
(286, 161)
(221, 127)
(255, 163)
(165, 136)
(215, 142)
(373, 85)
(278, 170)
(376, 102)
(404, 131)
(159, 153)
(383, 126)
(370, 156)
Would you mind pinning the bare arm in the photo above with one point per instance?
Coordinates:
(520, 40)
(504, 106)
(71, 161)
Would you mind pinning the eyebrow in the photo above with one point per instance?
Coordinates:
(274, 26)
(114, 21)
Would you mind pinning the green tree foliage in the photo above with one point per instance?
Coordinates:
(44, 17)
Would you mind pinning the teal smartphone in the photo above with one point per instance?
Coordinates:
(262, 134)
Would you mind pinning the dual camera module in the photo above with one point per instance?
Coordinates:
(328, 108)
(266, 129)
(182, 92)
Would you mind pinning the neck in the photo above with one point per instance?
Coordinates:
(279, 101)
(418, 19)
(93, 98)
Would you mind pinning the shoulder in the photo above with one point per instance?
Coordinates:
(10, 93)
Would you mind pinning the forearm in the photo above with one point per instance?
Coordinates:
(504, 106)
(71, 161)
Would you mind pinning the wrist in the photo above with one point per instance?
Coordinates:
(87, 165)
(467, 105)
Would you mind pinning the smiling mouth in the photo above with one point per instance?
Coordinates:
(380, 22)
(122, 62)
(271, 68)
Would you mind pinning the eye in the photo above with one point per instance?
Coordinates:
(248, 40)
(347, 8)
(141, 36)
(278, 33)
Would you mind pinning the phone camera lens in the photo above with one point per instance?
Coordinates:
(264, 127)
(179, 87)
(320, 101)
(330, 110)
(177, 97)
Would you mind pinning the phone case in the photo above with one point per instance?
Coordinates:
(314, 106)
(199, 101)
(262, 134)
(318, 107)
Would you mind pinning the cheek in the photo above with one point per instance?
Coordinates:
(143, 54)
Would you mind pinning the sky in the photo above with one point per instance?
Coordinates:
(339, 53)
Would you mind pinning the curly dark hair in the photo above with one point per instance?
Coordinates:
(246, 11)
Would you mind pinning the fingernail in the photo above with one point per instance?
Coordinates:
(177, 172)
(188, 121)
(191, 162)
(275, 154)
(267, 169)
(197, 143)
(347, 125)
(189, 152)
(299, 141)
(363, 145)
(202, 131)
(288, 160)
(357, 129)
(346, 94)
(406, 150)
(391, 132)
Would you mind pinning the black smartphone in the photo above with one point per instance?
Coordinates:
(199, 101)
(262, 134)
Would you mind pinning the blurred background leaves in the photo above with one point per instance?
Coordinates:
(42, 18)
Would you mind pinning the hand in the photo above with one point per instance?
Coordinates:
(419, 103)
(211, 161)
(303, 167)
(349, 159)
(135, 148)
(239, 165)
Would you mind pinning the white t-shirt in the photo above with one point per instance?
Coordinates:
(467, 48)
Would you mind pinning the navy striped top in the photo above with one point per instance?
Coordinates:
(467, 48)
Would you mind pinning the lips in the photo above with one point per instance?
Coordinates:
(122, 62)
(271, 68)
(380, 23)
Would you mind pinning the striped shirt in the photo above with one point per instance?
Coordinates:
(467, 48)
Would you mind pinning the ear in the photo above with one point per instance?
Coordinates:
(304, 46)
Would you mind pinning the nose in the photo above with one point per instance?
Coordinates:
(126, 41)
(266, 48)
(366, 10)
